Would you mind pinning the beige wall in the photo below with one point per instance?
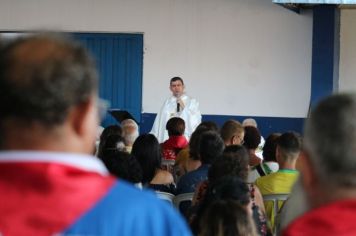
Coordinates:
(347, 76)
(238, 57)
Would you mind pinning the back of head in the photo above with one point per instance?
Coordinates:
(234, 162)
(108, 131)
(194, 142)
(269, 149)
(129, 131)
(249, 122)
(228, 188)
(112, 143)
(227, 218)
(225, 188)
(123, 165)
(252, 137)
(330, 140)
(42, 77)
(231, 128)
(210, 125)
(211, 147)
(175, 126)
(289, 145)
(147, 151)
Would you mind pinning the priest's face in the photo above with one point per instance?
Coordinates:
(177, 88)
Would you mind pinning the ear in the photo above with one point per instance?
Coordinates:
(308, 176)
(84, 122)
(233, 140)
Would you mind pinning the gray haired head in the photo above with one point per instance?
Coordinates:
(330, 140)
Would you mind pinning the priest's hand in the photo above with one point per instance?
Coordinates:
(181, 104)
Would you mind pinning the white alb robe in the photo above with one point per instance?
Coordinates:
(190, 114)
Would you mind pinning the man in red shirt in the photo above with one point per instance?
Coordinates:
(328, 169)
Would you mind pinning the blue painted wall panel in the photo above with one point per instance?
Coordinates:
(266, 125)
(119, 58)
(325, 59)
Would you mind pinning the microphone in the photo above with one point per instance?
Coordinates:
(178, 106)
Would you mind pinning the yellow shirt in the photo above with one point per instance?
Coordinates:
(281, 181)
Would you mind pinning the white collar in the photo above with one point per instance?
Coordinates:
(81, 161)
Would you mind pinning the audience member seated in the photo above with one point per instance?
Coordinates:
(211, 147)
(129, 133)
(251, 140)
(227, 188)
(328, 169)
(234, 162)
(188, 159)
(147, 151)
(269, 164)
(124, 166)
(112, 143)
(210, 125)
(110, 130)
(176, 141)
(49, 182)
(252, 122)
(287, 152)
(227, 217)
(232, 132)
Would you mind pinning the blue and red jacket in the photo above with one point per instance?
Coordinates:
(62, 194)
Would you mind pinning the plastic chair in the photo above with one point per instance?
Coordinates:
(165, 196)
(277, 201)
(168, 165)
(184, 197)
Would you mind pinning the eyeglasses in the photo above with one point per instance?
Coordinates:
(103, 106)
(242, 141)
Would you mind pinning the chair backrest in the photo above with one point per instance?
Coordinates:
(276, 199)
(167, 164)
(165, 196)
(184, 197)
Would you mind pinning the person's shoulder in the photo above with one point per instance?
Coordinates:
(188, 97)
(162, 177)
(334, 218)
(186, 179)
(264, 179)
(126, 210)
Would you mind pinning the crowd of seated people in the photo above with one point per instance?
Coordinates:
(53, 161)
(211, 154)
(215, 158)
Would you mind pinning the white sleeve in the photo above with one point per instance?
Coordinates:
(192, 116)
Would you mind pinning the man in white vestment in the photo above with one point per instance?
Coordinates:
(178, 105)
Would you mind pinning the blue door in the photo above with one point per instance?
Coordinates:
(119, 58)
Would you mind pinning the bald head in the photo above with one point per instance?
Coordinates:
(47, 83)
(43, 76)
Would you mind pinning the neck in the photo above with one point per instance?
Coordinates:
(287, 165)
(41, 138)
